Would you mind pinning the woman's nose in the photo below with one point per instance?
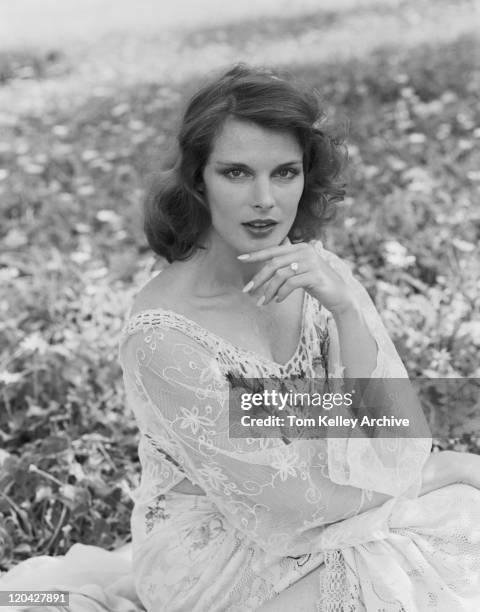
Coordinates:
(263, 196)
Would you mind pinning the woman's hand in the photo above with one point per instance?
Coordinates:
(294, 266)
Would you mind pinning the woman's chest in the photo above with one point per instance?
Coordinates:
(272, 331)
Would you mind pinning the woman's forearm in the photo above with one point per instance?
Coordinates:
(441, 469)
(450, 467)
(378, 397)
(358, 349)
(435, 473)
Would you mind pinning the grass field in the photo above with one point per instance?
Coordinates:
(88, 99)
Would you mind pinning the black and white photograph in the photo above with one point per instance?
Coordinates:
(240, 306)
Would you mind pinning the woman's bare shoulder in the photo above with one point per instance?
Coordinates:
(162, 291)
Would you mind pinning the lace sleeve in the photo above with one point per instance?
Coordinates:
(389, 465)
(280, 495)
(389, 364)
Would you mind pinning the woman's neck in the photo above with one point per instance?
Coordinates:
(218, 271)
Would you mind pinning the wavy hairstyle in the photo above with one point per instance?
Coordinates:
(176, 212)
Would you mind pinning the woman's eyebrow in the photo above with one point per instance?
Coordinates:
(241, 165)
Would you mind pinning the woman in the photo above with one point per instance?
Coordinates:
(232, 523)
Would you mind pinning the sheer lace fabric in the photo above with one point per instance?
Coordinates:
(349, 502)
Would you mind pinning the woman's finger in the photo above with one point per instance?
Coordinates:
(265, 254)
(278, 266)
(291, 284)
(269, 290)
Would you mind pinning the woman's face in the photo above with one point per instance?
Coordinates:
(253, 181)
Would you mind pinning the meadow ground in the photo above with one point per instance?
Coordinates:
(88, 100)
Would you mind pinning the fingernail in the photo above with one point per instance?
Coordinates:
(248, 286)
(243, 256)
(261, 300)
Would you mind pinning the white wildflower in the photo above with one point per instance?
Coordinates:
(33, 343)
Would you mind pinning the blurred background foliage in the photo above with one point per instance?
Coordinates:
(85, 120)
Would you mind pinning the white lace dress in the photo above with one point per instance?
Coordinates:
(338, 521)
(347, 510)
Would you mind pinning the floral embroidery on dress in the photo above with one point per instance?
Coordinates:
(155, 512)
(215, 477)
(285, 461)
(205, 533)
(193, 420)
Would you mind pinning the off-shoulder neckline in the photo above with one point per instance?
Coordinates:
(220, 339)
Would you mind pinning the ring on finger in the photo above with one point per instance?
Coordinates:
(294, 267)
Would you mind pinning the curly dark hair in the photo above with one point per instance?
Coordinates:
(176, 212)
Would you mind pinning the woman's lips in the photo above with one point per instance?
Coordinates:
(259, 231)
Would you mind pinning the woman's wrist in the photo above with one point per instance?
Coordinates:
(358, 349)
(347, 310)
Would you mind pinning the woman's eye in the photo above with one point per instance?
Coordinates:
(288, 173)
(284, 173)
(234, 172)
